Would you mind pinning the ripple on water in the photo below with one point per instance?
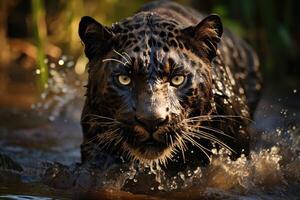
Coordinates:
(268, 172)
(271, 171)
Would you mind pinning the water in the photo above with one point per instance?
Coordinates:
(39, 157)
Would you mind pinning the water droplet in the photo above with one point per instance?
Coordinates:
(181, 175)
(51, 118)
(43, 95)
(278, 131)
(295, 91)
(160, 187)
(284, 112)
(37, 71)
(64, 57)
(70, 63)
(214, 151)
(197, 170)
(52, 65)
(61, 62)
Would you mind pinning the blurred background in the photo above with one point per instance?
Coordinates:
(42, 73)
(32, 33)
(35, 32)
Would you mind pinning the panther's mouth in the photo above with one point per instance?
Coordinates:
(148, 150)
(148, 147)
(151, 145)
(149, 155)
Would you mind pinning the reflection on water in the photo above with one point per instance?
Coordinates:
(23, 197)
(41, 161)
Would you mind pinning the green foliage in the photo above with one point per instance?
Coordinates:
(270, 26)
(39, 31)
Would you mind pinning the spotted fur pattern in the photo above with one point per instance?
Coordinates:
(211, 109)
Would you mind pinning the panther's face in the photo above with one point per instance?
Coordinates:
(148, 77)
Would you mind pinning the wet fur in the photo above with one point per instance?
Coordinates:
(212, 110)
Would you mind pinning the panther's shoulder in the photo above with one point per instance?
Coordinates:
(233, 52)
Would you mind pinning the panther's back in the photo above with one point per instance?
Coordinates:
(170, 80)
(233, 51)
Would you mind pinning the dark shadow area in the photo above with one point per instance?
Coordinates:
(39, 123)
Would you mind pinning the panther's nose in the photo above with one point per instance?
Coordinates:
(151, 124)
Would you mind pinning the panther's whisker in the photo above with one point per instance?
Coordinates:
(202, 148)
(99, 116)
(181, 145)
(219, 116)
(194, 142)
(99, 123)
(211, 129)
(107, 140)
(127, 61)
(91, 117)
(126, 54)
(113, 59)
(118, 141)
(91, 140)
(172, 143)
(107, 144)
(202, 134)
(107, 136)
(211, 120)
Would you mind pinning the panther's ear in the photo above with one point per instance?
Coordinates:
(97, 39)
(206, 35)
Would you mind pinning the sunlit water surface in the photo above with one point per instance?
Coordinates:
(41, 161)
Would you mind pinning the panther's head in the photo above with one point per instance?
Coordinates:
(148, 78)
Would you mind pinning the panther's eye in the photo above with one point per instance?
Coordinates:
(177, 80)
(124, 79)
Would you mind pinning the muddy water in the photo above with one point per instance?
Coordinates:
(39, 155)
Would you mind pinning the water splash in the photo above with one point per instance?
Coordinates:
(273, 164)
(63, 87)
(271, 170)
